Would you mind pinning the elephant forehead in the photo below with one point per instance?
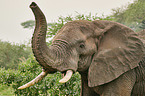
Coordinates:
(70, 34)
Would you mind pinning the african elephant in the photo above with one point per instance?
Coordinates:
(109, 56)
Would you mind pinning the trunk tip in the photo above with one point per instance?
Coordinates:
(33, 5)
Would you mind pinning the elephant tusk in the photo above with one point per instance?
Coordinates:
(34, 81)
(66, 77)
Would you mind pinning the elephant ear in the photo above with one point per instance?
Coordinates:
(119, 51)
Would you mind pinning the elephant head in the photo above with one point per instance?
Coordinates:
(103, 49)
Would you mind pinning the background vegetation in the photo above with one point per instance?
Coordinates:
(18, 65)
(132, 15)
(11, 54)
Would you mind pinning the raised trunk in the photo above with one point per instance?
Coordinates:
(42, 53)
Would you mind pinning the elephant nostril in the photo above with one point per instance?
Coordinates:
(33, 5)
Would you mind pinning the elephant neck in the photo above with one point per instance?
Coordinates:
(85, 89)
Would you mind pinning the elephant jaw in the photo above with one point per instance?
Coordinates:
(84, 62)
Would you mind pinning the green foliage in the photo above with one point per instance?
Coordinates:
(10, 54)
(7, 76)
(142, 26)
(133, 12)
(131, 15)
(28, 24)
(49, 86)
(6, 90)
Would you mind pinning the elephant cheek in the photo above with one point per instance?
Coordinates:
(73, 62)
(70, 62)
(84, 63)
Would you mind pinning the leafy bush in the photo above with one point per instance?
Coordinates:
(6, 90)
(10, 54)
(28, 70)
(7, 76)
(49, 86)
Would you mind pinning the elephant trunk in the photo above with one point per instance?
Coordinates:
(43, 54)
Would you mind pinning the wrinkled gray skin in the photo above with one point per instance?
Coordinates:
(106, 54)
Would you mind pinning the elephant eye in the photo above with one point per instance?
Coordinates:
(82, 45)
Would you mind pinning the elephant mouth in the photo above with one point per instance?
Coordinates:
(83, 65)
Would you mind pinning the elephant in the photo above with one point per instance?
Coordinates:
(109, 56)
